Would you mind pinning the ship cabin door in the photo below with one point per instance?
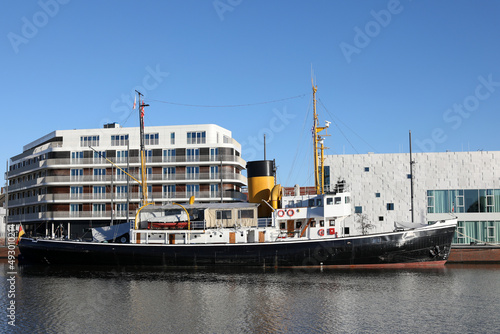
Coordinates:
(232, 237)
(262, 236)
(290, 228)
(171, 238)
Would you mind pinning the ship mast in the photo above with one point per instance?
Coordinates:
(319, 178)
(144, 185)
(411, 184)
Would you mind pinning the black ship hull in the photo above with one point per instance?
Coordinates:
(429, 246)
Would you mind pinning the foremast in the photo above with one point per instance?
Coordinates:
(144, 184)
(319, 157)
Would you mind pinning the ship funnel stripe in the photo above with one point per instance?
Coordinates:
(260, 168)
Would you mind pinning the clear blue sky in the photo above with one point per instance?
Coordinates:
(382, 68)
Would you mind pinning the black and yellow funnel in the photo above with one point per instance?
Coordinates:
(260, 175)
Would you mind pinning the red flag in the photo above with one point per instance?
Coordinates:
(135, 99)
(142, 110)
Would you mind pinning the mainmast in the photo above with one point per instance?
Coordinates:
(144, 185)
(319, 178)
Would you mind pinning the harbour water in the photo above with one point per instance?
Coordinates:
(48, 299)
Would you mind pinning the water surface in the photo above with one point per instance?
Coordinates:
(66, 299)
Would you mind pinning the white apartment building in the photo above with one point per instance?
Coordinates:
(462, 184)
(61, 184)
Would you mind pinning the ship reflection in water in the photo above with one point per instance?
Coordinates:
(456, 298)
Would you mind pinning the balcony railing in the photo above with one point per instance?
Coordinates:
(92, 179)
(55, 215)
(132, 160)
(229, 195)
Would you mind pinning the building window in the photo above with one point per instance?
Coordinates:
(430, 201)
(148, 155)
(76, 174)
(121, 191)
(74, 210)
(338, 200)
(408, 176)
(99, 157)
(172, 138)
(214, 154)
(377, 194)
(390, 206)
(214, 190)
(380, 218)
(463, 200)
(86, 141)
(214, 172)
(358, 209)
(121, 209)
(169, 173)
(192, 173)
(192, 154)
(149, 173)
(76, 192)
(329, 201)
(169, 155)
(76, 157)
(99, 192)
(226, 139)
(169, 191)
(98, 210)
(367, 169)
(151, 139)
(120, 174)
(121, 156)
(119, 140)
(99, 174)
(192, 190)
(196, 137)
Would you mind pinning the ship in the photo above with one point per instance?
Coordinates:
(273, 229)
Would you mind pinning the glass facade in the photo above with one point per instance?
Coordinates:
(477, 232)
(468, 201)
(463, 200)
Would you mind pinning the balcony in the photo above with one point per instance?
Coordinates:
(229, 195)
(68, 162)
(72, 215)
(233, 178)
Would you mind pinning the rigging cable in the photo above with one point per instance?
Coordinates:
(374, 150)
(299, 141)
(228, 106)
(380, 177)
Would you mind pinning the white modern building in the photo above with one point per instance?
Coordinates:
(462, 184)
(61, 184)
(3, 225)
